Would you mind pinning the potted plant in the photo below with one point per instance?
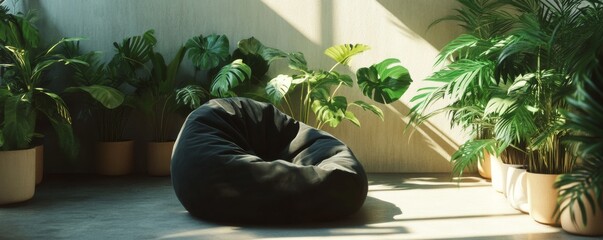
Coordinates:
(539, 57)
(580, 197)
(467, 84)
(242, 73)
(23, 100)
(384, 82)
(157, 96)
(96, 86)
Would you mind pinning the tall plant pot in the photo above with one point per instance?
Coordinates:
(496, 174)
(483, 167)
(159, 158)
(39, 163)
(542, 197)
(114, 158)
(516, 188)
(594, 222)
(17, 175)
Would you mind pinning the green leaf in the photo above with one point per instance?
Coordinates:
(374, 109)
(55, 110)
(192, 95)
(107, 96)
(19, 121)
(352, 118)
(229, 77)
(297, 62)
(137, 50)
(384, 82)
(327, 79)
(207, 52)
(471, 152)
(343, 53)
(328, 110)
(455, 46)
(252, 46)
(278, 87)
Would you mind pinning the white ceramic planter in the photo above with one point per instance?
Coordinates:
(17, 175)
(497, 174)
(516, 188)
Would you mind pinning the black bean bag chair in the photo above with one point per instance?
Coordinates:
(242, 161)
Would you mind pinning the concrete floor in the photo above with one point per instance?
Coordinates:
(399, 206)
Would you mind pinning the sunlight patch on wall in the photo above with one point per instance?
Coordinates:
(304, 16)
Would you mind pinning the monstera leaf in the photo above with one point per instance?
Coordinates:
(278, 87)
(192, 95)
(343, 53)
(330, 110)
(297, 62)
(252, 46)
(384, 82)
(207, 52)
(229, 77)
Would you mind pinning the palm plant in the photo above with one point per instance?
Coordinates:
(469, 82)
(22, 96)
(584, 185)
(537, 56)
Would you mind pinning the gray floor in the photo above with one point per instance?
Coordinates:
(399, 206)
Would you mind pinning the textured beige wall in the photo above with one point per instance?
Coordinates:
(393, 28)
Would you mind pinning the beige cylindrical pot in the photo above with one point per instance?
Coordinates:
(39, 163)
(114, 158)
(542, 197)
(496, 174)
(159, 158)
(483, 167)
(516, 188)
(17, 175)
(504, 173)
(594, 222)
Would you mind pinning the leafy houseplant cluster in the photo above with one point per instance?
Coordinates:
(137, 78)
(243, 74)
(509, 80)
(384, 82)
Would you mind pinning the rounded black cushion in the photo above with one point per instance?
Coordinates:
(239, 160)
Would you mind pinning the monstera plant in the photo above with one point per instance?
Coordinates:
(242, 73)
(384, 82)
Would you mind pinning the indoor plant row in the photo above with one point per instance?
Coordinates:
(508, 84)
(138, 79)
